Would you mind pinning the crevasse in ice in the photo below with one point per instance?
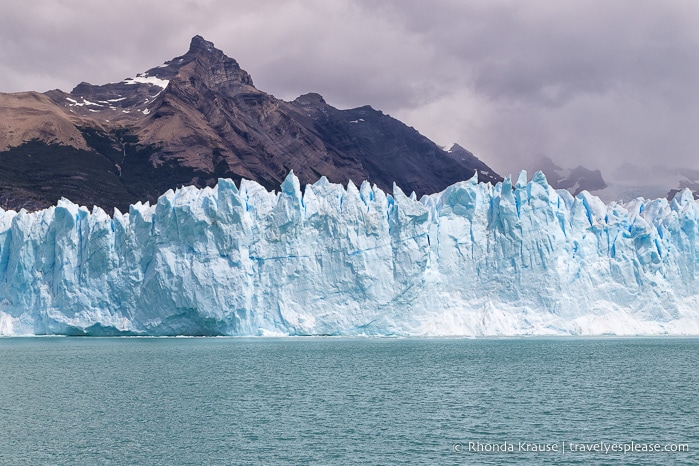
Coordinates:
(475, 259)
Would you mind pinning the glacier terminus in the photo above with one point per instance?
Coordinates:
(474, 260)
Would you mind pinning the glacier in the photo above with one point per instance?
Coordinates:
(517, 258)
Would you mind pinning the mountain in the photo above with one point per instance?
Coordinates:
(474, 259)
(192, 120)
(575, 180)
(467, 160)
(627, 181)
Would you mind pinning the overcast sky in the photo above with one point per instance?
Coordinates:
(597, 83)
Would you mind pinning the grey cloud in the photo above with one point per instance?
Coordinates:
(588, 82)
(584, 82)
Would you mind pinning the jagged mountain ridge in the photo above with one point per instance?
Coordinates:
(192, 120)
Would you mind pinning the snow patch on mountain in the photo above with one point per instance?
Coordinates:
(144, 78)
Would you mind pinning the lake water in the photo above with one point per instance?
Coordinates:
(347, 401)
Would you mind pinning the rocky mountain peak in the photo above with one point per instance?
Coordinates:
(200, 45)
(209, 64)
(311, 98)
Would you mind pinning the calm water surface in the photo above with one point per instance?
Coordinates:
(344, 401)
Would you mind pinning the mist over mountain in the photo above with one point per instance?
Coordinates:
(192, 120)
(575, 180)
(628, 181)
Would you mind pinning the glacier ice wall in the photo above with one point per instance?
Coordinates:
(475, 259)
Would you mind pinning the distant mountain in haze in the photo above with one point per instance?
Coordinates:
(192, 120)
(628, 181)
(574, 180)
